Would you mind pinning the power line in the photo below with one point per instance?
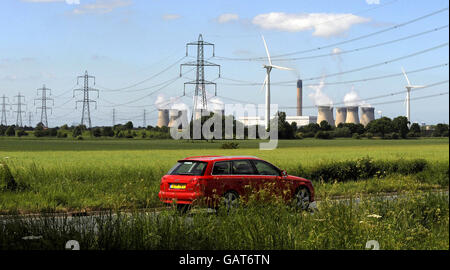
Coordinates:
(345, 41)
(293, 83)
(148, 79)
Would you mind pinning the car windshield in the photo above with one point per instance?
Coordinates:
(188, 168)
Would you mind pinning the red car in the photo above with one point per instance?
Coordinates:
(212, 178)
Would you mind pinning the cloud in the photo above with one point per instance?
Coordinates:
(101, 6)
(227, 17)
(373, 2)
(322, 24)
(169, 17)
(320, 98)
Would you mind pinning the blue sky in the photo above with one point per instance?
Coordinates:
(124, 42)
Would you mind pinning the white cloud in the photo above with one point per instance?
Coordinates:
(227, 17)
(169, 17)
(101, 6)
(322, 24)
(373, 2)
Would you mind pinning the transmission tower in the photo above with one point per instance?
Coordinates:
(30, 115)
(145, 121)
(44, 98)
(19, 111)
(86, 113)
(4, 122)
(200, 82)
(114, 117)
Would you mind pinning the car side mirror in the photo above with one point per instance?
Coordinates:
(284, 173)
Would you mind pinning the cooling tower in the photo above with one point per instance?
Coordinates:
(173, 114)
(221, 112)
(352, 115)
(325, 113)
(341, 115)
(367, 115)
(299, 97)
(163, 118)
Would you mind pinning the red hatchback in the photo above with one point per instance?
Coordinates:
(210, 178)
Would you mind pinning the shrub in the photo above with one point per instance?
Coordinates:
(107, 132)
(343, 132)
(7, 181)
(361, 168)
(61, 134)
(395, 136)
(230, 145)
(10, 131)
(80, 138)
(369, 135)
(326, 135)
(356, 136)
(21, 133)
(299, 135)
(96, 132)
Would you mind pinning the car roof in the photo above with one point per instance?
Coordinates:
(217, 158)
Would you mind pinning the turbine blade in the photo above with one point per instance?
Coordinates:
(283, 68)
(267, 50)
(417, 86)
(264, 84)
(404, 73)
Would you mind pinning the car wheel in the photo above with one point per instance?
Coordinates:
(302, 199)
(230, 200)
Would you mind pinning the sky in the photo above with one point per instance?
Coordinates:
(134, 49)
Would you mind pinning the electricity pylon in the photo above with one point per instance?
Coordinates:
(200, 82)
(4, 122)
(19, 111)
(44, 98)
(86, 113)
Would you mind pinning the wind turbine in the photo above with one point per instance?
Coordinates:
(267, 82)
(408, 95)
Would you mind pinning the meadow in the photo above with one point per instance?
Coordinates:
(98, 174)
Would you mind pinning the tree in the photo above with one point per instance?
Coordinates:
(77, 131)
(107, 132)
(400, 125)
(325, 126)
(380, 126)
(96, 132)
(285, 130)
(129, 125)
(441, 130)
(415, 128)
(10, 131)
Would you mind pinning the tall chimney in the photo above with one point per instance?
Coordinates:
(367, 115)
(299, 98)
(352, 115)
(325, 113)
(341, 114)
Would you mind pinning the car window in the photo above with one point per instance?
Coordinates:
(222, 168)
(242, 167)
(265, 168)
(189, 168)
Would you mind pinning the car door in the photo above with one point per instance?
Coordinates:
(243, 174)
(221, 180)
(268, 175)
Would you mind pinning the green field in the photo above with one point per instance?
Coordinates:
(66, 174)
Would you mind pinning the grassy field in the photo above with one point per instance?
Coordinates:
(414, 221)
(66, 174)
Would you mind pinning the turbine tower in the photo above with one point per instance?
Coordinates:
(408, 95)
(267, 82)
